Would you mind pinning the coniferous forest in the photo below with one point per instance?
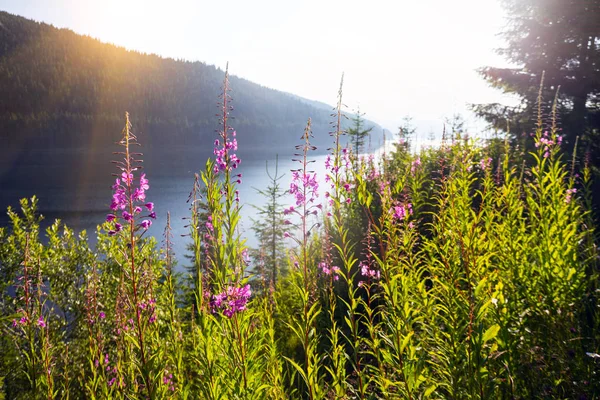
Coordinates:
(63, 90)
(463, 271)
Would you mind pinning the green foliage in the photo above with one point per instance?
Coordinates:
(468, 271)
(557, 42)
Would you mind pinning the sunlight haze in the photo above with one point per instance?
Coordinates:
(399, 57)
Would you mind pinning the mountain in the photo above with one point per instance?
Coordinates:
(61, 90)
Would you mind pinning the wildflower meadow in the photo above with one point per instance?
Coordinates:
(464, 271)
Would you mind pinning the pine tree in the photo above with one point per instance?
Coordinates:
(269, 230)
(561, 40)
(358, 133)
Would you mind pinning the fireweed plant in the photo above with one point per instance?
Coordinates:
(233, 342)
(339, 196)
(304, 189)
(135, 309)
(467, 271)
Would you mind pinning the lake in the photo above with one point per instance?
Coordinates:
(74, 186)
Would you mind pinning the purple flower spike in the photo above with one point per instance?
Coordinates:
(126, 216)
(41, 323)
(149, 206)
(110, 217)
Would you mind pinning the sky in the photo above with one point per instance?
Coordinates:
(399, 57)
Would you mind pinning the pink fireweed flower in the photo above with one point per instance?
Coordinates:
(224, 159)
(485, 163)
(127, 196)
(415, 165)
(144, 182)
(304, 188)
(547, 143)
(126, 178)
(139, 194)
(232, 300)
(369, 272)
(146, 224)
(119, 200)
(209, 226)
(329, 271)
(117, 228)
(40, 322)
(402, 211)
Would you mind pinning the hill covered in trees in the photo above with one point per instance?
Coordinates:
(59, 89)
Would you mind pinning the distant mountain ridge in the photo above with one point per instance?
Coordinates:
(59, 89)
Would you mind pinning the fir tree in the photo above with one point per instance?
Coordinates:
(358, 132)
(269, 230)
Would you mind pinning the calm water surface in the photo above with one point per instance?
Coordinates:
(74, 186)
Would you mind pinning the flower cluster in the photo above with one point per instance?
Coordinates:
(149, 308)
(402, 211)
(547, 143)
(225, 160)
(368, 272)
(134, 202)
(329, 271)
(24, 321)
(232, 300)
(333, 175)
(415, 165)
(168, 380)
(485, 163)
(304, 188)
(111, 372)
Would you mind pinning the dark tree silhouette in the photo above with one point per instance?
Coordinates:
(562, 38)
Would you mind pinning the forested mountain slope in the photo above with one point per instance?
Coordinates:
(59, 89)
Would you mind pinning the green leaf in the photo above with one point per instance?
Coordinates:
(491, 333)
